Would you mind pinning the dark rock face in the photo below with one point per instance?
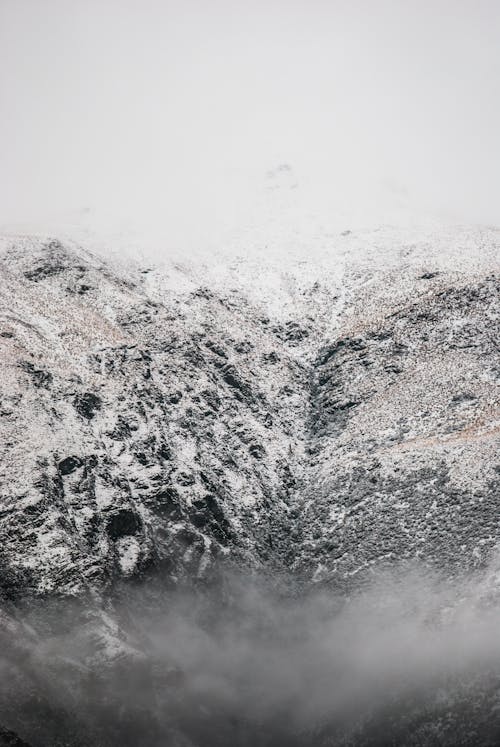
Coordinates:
(69, 464)
(123, 523)
(167, 504)
(87, 404)
(242, 389)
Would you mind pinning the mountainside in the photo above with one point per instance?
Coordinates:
(331, 417)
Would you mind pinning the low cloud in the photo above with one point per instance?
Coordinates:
(407, 660)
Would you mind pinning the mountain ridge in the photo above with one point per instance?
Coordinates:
(329, 419)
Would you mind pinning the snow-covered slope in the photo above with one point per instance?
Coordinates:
(332, 414)
(141, 426)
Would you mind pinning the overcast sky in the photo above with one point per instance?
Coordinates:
(166, 115)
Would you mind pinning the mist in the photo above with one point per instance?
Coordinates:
(250, 661)
(159, 122)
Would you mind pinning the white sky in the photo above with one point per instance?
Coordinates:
(164, 116)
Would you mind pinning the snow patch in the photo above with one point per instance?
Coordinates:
(128, 553)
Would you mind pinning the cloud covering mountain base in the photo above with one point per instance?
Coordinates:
(410, 659)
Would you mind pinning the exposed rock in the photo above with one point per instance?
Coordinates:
(87, 404)
(69, 464)
(40, 377)
(122, 523)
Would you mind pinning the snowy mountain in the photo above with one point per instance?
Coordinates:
(333, 416)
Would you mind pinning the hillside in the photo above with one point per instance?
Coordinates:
(330, 417)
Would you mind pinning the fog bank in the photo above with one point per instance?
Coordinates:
(248, 662)
(162, 121)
